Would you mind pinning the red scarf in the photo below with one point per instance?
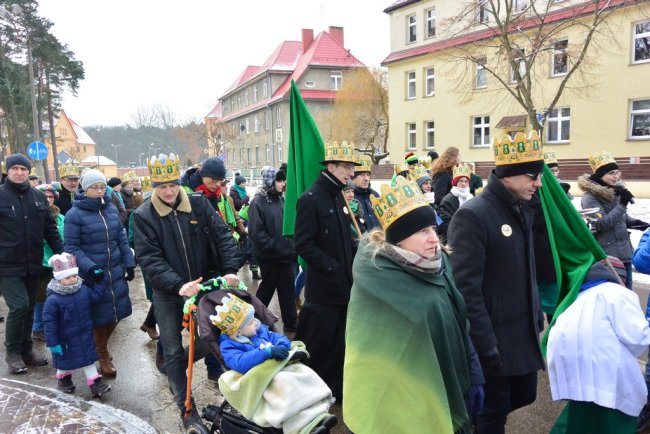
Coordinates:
(208, 194)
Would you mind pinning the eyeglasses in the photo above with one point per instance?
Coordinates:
(535, 176)
(97, 187)
(348, 167)
(555, 170)
(214, 179)
(614, 173)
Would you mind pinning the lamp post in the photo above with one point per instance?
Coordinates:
(140, 159)
(115, 147)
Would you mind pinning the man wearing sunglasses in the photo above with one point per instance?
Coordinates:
(494, 269)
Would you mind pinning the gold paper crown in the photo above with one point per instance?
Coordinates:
(343, 153)
(146, 184)
(598, 160)
(425, 160)
(164, 169)
(397, 201)
(68, 170)
(521, 149)
(549, 156)
(365, 164)
(462, 170)
(419, 171)
(231, 314)
(399, 168)
(129, 176)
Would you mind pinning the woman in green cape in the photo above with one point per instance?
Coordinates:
(409, 364)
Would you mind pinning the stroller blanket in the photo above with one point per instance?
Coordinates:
(279, 393)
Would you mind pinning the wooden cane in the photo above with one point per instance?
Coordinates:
(611, 267)
(351, 214)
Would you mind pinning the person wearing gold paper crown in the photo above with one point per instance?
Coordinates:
(605, 190)
(363, 191)
(419, 174)
(322, 239)
(179, 240)
(441, 172)
(491, 240)
(409, 366)
(457, 197)
(69, 175)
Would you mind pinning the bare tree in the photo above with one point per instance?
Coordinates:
(512, 41)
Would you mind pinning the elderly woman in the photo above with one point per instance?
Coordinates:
(409, 362)
(95, 236)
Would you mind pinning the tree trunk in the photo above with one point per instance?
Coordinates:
(50, 117)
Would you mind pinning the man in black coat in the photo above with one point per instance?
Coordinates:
(275, 254)
(324, 240)
(69, 175)
(363, 191)
(494, 269)
(25, 221)
(179, 241)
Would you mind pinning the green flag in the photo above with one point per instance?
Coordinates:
(306, 151)
(574, 247)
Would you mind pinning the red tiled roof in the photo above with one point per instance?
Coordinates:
(555, 16)
(243, 78)
(216, 112)
(399, 4)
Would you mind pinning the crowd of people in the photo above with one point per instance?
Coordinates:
(424, 299)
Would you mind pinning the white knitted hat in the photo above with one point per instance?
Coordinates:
(63, 265)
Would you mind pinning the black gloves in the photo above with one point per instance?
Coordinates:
(626, 196)
(491, 359)
(97, 273)
(640, 225)
(278, 353)
(130, 273)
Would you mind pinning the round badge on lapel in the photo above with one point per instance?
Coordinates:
(345, 210)
(506, 230)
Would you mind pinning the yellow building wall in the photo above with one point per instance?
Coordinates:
(66, 140)
(600, 116)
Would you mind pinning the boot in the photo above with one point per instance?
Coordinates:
(32, 359)
(99, 389)
(101, 345)
(66, 385)
(151, 331)
(256, 273)
(15, 363)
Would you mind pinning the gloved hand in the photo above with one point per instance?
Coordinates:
(626, 196)
(491, 359)
(476, 398)
(278, 353)
(97, 273)
(130, 273)
(640, 225)
(57, 350)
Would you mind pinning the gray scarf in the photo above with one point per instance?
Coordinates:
(56, 287)
(413, 260)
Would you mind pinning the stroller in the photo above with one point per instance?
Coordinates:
(223, 418)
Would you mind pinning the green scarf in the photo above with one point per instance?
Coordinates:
(226, 211)
(406, 358)
(241, 191)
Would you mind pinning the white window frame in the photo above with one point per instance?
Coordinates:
(268, 152)
(257, 123)
(239, 100)
(558, 119)
(522, 63)
(636, 36)
(430, 76)
(430, 23)
(279, 152)
(265, 89)
(482, 125)
(255, 93)
(429, 128)
(310, 84)
(483, 11)
(642, 112)
(559, 52)
(246, 99)
(411, 135)
(278, 118)
(411, 22)
(248, 126)
(336, 80)
(267, 120)
(411, 81)
(480, 71)
(520, 5)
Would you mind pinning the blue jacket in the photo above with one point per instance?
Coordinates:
(363, 196)
(68, 323)
(94, 234)
(641, 256)
(243, 357)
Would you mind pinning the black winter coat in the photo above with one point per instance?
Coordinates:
(363, 196)
(265, 228)
(180, 244)
(25, 221)
(494, 269)
(441, 186)
(544, 265)
(323, 239)
(446, 211)
(64, 201)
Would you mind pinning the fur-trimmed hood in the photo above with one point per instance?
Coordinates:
(600, 192)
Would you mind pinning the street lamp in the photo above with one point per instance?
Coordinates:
(115, 147)
(140, 158)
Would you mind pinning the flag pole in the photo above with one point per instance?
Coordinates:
(351, 214)
(611, 268)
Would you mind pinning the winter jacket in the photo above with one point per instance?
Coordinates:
(323, 239)
(612, 219)
(94, 234)
(237, 200)
(242, 357)
(68, 322)
(441, 186)
(177, 245)
(265, 228)
(494, 268)
(47, 250)
(475, 182)
(641, 257)
(544, 265)
(127, 197)
(363, 196)
(119, 204)
(25, 223)
(446, 211)
(64, 201)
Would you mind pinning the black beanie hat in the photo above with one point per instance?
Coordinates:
(239, 179)
(213, 167)
(17, 160)
(114, 182)
(433, 155)
(532, 167)
(603, 170)
(410, 223)
(281, 175)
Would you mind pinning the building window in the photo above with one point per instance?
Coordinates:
(238, 100)
(257, 155)
(248, 156)
(241, 155)
(520, 58)
(336, 80)
(85, 149)
(412, 135)
(430, 24)
(257, 123)
(558, 125)
(267, 120)
(483, 11)
(242, 128)
(430, 134)
(255, 93)
(411, 29)
(248, 126)
(410, 85)
(278, 118)
(246, 99)
(481, 131)
(521, 5)
(265, 89)
(642, 42)
(430, 78)
(640, 119)
(481, 73)
(268, 153)
(279, 152)
(560, 58)
(232, 104)
(310, 84)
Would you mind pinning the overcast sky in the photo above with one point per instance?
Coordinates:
(184, 54)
